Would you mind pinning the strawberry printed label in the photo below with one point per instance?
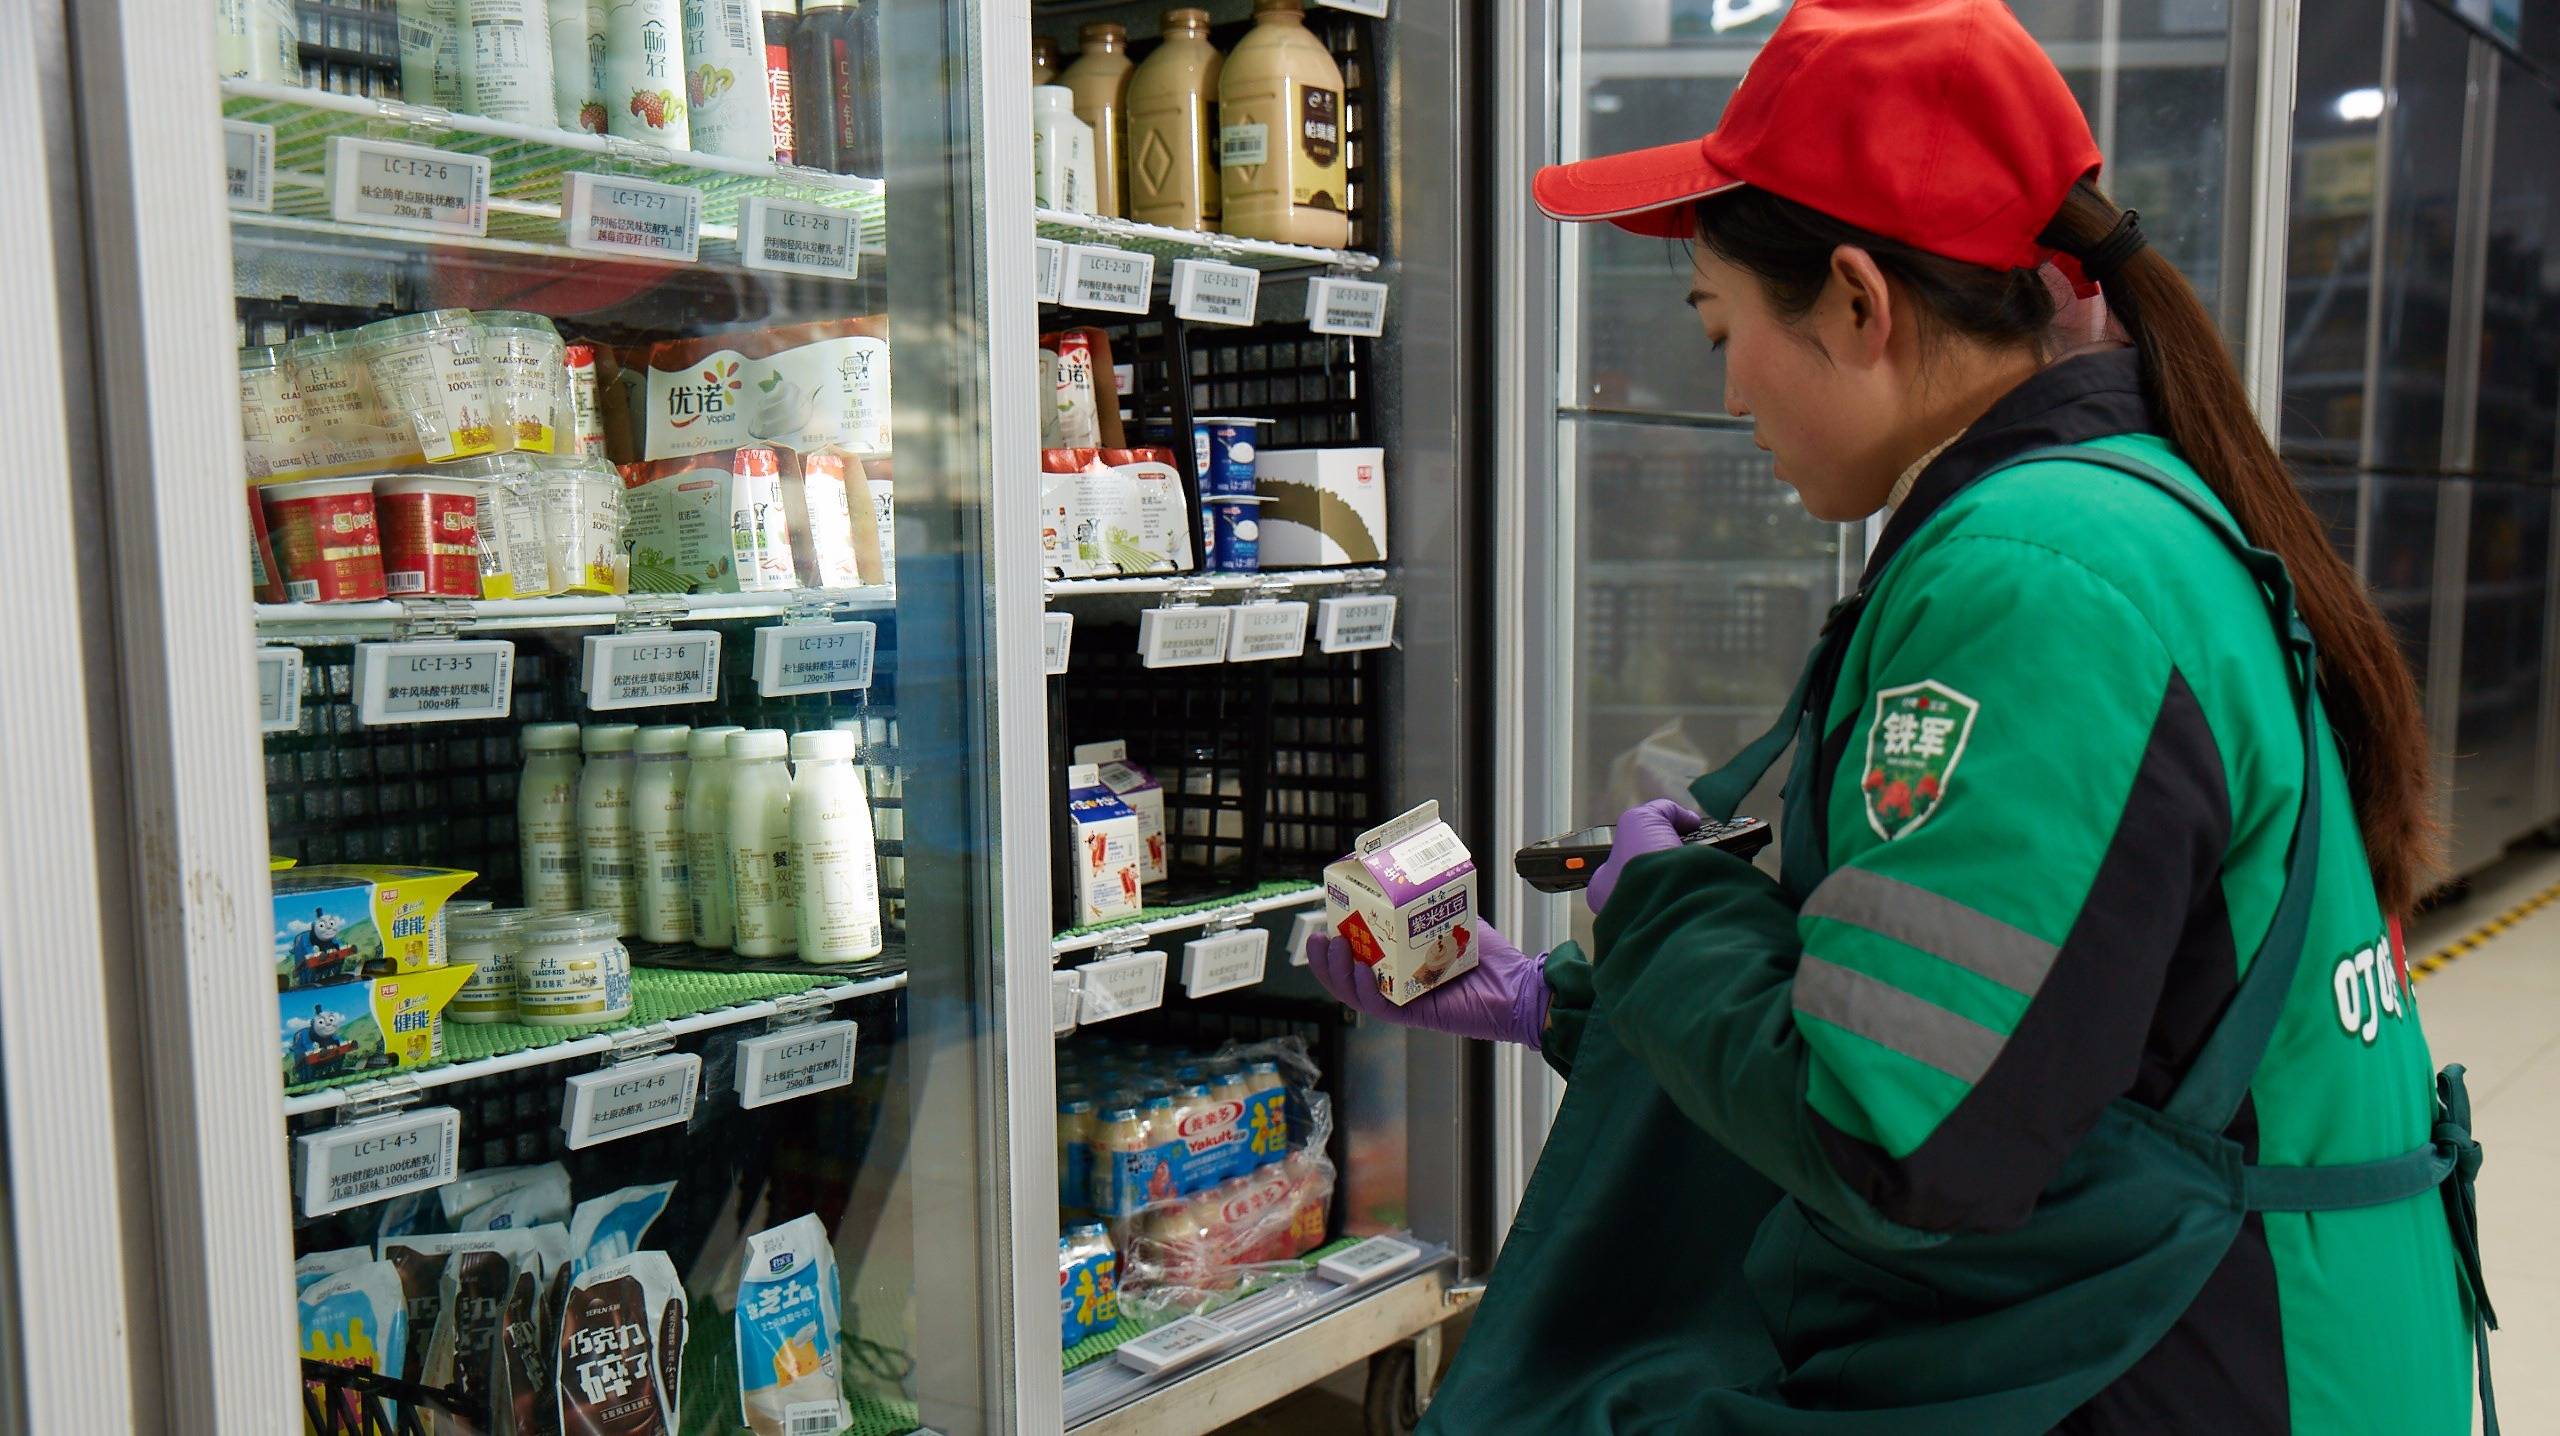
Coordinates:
(1912, 752)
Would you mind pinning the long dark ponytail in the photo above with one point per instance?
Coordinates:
(2197, 395)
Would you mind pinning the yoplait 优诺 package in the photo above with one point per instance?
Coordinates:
(376, 1024)
(1405, 900)
(338, 921)
(802, 387)
(1106, 861)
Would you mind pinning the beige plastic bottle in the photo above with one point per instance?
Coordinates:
(760, 843)
(1173, 153)
(1044, 60)
(547, 818)
(709, 884)
(835, 866)
(1100, 78)
(1281, 169)
(611, 881)
(657, 833)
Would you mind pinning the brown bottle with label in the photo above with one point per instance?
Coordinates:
(1173, 102)
(1280, 134)
(1044, 61)
(1100, 78)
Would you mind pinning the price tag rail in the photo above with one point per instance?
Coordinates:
(1269, 583)
(337, 622)
(1171, 244)
(1221, 917)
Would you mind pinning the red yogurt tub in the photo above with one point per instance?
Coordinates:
(430, 535)
(327, 541)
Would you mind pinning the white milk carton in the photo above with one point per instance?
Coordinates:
(1406, 901)
(1107, 847)
(1138, 788)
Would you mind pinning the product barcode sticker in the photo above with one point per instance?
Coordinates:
(1116, 280)
(279, 689)
(1354, 625)
(1119, 986)
(795, 1062)
(788, 237)
(607, 214)
(1347, 306)
(1211, 965)
(375, 1160)
(1207, 292)
(249, 164)
(1374, 9)
(1066, 989)
(832, 657)
(812, 1418)
(1373, 1258)
(631, 1097)
(434, 680)
(1244, 146)
(1267, 630)
(1057, 638)
(1182, 637)
(384, 182)
(1423, 858)
(1048, 270)
(649, 670)
(1173, 1344)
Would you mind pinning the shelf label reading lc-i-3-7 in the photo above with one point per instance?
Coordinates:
(832, 657)
(789, 237)
(606, 214)
(384, 182)
(650, 670)
(795, 1062)
(376, 1160)
(434, 680)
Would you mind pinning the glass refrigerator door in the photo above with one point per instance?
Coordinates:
(586, 977)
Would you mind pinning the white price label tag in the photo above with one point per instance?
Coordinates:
(1347, 306)
(1057, 638)
(1354, 625)
(1373, 1258)
(1207, 292)
(435, 680)
(789, 237)
(279, 689)
(384, 182)
(1173, 1344)
(1307, 927)
(1116, 280)
(1182, 637)
(1211, 965)
(631, 1097)
(1267, 630)
(651, 670)
(1120, 986)
(1066, 991)
(607, 214)
(795, 1062)
(1374, 9)
(833, 657)
(371, 1161)
(1048, 270)
(249, 164)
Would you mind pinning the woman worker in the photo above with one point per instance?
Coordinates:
(2068, 1077)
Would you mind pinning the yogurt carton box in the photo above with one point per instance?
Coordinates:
(1406, 900)
(335, 922)
(1107, 872)
(367, 1025)
(1138, 788)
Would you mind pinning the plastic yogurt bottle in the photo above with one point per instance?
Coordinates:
(760, 844)
(711, 889)
(506, 60)
(657, 834)
(547, 818)
(489, 940)
(834, 865)
(608, 877)
(572, 971)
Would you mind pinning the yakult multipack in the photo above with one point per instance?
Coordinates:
(1406, 902)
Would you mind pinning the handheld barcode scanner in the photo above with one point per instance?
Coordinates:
(1565, 864)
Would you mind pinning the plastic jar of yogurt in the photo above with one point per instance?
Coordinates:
(489, 940)
(527, 362)
(271, 413)
(573, 971)
(513, 562)
(328, 544)
(344, 417)
(430, 535)
(432, 369)
(582, 514)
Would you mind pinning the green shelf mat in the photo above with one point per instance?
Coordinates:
(1159, 914)
(657, 994)
(1102, 1343)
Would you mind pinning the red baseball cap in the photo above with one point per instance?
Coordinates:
(1940, 123)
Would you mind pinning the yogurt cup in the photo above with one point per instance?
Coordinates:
(430, 535)
(328, 543)
(526, 367)
(432, 370)
(344, 417)
(1231, 525)
(513, 560)
(271, 413)
(1224, 451)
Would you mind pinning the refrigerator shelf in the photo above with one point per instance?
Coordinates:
(338, 622)
(526, 231)
(1276, 579)
(517, 1047)
(1166, 243)
(527, 162)
(1270, 897)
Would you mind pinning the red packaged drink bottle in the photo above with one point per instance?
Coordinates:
(781, 22)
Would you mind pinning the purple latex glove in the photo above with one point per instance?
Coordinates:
(1503, 998)
(1651, 828)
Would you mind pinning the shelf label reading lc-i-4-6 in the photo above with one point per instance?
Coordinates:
(606, 214)
(1347, 306)
(279, 689)
(1268, 630)
(1048, 270)
(631, 1097)
(795, 1062)
(435, 680)
(832, 657)
(789, 237)
(1057, 641)
(1206, 292)
(651, 670)
(249, 164)
(384, 182)
(376, 1160)
(1354, 625)
(1115, 280)
(1182, 637)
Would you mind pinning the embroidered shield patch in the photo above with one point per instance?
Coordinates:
(1912, 752)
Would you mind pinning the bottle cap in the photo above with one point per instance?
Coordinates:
(759, 743)
(665, 738)
(1102, 30)
(551, 737)
(1056, 97)
(709, 744)
(611, 737)
(1122, 1113)
(590, 923)
(496, 922)
(1185, 18)
(1279, 7)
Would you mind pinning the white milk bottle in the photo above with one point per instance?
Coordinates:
(658, 835)
(644, 70)
(706, 838)
(547, 817)
(833, 862)
(604, 825)
(760, 843)
(724, 60)
(577, 53)
(506, 61)
(1062, 163)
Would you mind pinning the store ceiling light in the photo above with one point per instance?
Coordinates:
(2357, 106)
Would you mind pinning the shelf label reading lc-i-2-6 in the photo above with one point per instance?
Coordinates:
(607, 214)
(384, 182)
(1115, 280)
(631, 1097)
(1206, 292)
(833, 657)
(1347, 306)
(279, 689)
(249, 164)
(795, 1062)
(435, 680)
(376, 1160)
(651, 670)
(789, 237)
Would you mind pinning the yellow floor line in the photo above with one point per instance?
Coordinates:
(2426, 966)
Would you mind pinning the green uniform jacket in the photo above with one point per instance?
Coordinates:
(2043, 831)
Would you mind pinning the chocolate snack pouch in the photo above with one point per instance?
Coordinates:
(479, 1275)
(519, 1401)
(421, 1261)
(621, 1346)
